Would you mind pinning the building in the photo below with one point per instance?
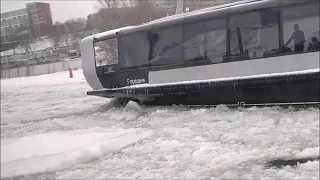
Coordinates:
(40, 18)
(164, 7)
(163, 4)
(35, 19)
(10, 21)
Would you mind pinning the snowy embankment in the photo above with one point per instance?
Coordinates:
(51, 129)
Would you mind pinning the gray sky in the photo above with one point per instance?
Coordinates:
(61, 9)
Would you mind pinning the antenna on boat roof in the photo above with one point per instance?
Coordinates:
(180, 6)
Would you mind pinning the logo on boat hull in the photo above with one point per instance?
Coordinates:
(135, 81)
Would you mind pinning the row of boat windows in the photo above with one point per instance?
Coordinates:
(247, 36)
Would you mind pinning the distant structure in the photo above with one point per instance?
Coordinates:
(196, 5)
(163, 4)
(36, 18)
(10, 21)
(180, 6)
(40, 18)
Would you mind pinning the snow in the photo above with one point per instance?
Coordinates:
(38, 45)
(309, 152)
(53, 151)
(50, 129)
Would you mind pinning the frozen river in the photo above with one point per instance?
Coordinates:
(51, 129)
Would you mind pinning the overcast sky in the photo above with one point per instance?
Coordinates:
(61, 9)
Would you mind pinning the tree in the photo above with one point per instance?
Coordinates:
(108, 13)
(109, 4)
(115, 14)
(142, 11)
(22, 37)
(75, 25)
(58, 30)
(69, 32)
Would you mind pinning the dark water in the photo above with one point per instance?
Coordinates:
(278, 163)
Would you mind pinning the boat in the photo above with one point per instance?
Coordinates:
(247, 52)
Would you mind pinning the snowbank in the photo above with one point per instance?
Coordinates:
(58, 150)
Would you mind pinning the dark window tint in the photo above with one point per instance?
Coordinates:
(134, 51)
(234, 39)
(254, 34)
(301, 27)
(167, 46)
(269, 34)
(216, 40)
(194, 42)
(106, 52)
(205, 41)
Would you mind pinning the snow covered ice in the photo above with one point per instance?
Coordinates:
(60, 150)
(51, 129)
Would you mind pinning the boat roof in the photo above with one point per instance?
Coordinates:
(238, 6)
(111, 33)
(211, 11)
(227, 5)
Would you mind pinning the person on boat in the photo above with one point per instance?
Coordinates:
(298, 39)
(314, 44)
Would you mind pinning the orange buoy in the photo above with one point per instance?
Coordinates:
(70, 73)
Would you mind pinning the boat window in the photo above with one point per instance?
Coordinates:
(301, 28)
(216, 40)
(194, 42)
(134, 51)
(254, 35)
(167, 47)
(106, 52)
(205, 41)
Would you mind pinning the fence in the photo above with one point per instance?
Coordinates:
(35, 70)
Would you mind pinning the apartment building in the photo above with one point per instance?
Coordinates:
(40, 18)
(10, 21)
(35, 19)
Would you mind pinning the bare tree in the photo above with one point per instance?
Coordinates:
(75, 25)
(142, 11)
(115, 14)
(22, 37)
(58, 30)
(70, 32)
(111, 5)
(128, 3)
